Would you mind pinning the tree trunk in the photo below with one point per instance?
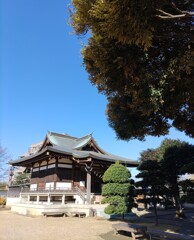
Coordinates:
(156, 214)
(122, 216)
(179, 209)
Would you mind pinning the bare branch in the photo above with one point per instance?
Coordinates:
(183, 12)
(166, 15)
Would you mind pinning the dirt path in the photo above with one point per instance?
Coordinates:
(17, 227)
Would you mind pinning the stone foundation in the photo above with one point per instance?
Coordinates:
(37, 209)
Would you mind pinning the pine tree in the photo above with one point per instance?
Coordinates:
(152, 184)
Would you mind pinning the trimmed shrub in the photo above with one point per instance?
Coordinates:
(116, 173)
(117, 190)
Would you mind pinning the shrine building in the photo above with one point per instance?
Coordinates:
(67, 169)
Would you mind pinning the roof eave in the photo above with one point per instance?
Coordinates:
(21, 161)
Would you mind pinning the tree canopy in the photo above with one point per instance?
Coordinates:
(140, 54)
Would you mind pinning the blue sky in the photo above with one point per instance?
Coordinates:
(44, 86)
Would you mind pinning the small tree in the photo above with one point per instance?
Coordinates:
(4, 167)
(152, 184)
(22, 178)
(117, 190)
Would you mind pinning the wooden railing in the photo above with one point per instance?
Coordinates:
(75, 190)
(57, 190)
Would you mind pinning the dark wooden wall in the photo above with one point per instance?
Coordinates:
(74, 175)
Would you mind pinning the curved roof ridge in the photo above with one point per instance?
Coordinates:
(101, 150)
(83, 141)
(86, 136)
(43, 143)
(61, 135)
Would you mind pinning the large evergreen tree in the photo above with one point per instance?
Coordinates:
(117, 190)
(173, 157)
(141, 56)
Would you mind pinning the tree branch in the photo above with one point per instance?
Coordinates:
(166, 15)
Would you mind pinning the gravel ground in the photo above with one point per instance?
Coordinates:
(17, 227)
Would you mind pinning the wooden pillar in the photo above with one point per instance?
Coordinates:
(39, 179)
(20, 198)
(88, 187)
(63, 199)
(48, 199)
(73, 173)
(88, 169)
(56, 173)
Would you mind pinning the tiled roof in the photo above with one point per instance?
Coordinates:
(65, 144)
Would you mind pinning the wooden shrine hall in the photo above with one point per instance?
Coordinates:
(67, 168)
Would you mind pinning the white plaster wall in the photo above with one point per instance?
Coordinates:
(63, 185)
(62, 165)
(10, 201)
(33, 186)
(49, 185)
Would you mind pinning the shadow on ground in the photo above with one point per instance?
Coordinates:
(169, 226)
(113, 236)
